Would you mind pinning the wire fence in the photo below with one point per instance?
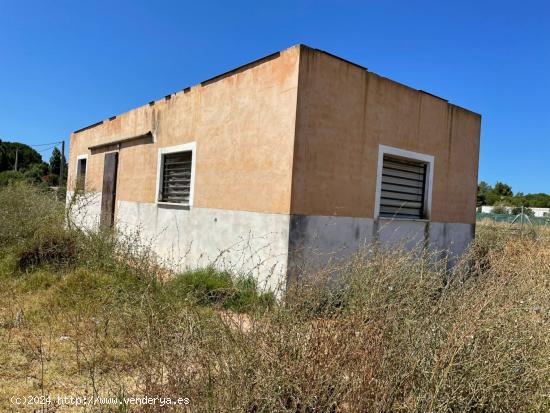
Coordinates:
(513, 219)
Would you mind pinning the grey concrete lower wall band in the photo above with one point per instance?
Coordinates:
(239, 241)
(271, 247)
(85, 209)
(315, 241)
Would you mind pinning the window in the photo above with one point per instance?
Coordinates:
(404, 184)
(81, 173)
(176, 175)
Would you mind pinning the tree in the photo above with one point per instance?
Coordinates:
(537, 200)
(501, 189)
(502, 194)
(55, 161)
(483, 191)
(37, 172)
(3, 155)
(26, 156)
(55, 166)
(34, 175)
(484, 187)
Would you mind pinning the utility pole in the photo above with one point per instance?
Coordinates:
(62, 166)
(16, 158)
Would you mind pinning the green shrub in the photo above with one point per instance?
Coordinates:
(82, 287)
(210, 286)
(26, 211)
(527, 211)
(246, 297)
(500, 209)
(58, 249)
(39, 280)
(11, 177)
(204, 285)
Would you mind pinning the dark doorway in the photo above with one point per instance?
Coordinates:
(108, 194)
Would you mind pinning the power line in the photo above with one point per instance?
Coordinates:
(46, 149)
(50, 146)
(46, 144)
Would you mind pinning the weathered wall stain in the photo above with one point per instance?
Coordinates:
(286, 156)
(339, 128)
(243, 124)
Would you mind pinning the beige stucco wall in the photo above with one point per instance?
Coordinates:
(345, 112)
(243, 125)
(295, 133)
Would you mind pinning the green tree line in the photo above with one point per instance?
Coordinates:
(502, 194)
(30, 165)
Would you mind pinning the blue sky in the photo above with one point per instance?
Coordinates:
(67, 64)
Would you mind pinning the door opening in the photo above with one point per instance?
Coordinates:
(108, 193)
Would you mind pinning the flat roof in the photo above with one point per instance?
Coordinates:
(259, 61)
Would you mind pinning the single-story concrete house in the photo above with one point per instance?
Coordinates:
(288, 161)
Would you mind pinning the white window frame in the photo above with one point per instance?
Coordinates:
(413, 156)
(78, 159)
(186, 147)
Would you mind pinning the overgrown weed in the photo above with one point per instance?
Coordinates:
(395, 332)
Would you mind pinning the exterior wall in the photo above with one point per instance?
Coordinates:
(243, 126)
(250, 243)
(316, 241)
(286, 166)
(344, 114)
(85, 209)
(320, 241)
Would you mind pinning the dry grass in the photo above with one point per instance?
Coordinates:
(396, 333)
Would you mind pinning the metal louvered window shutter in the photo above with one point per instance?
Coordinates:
(176, 177)
(403, 188)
